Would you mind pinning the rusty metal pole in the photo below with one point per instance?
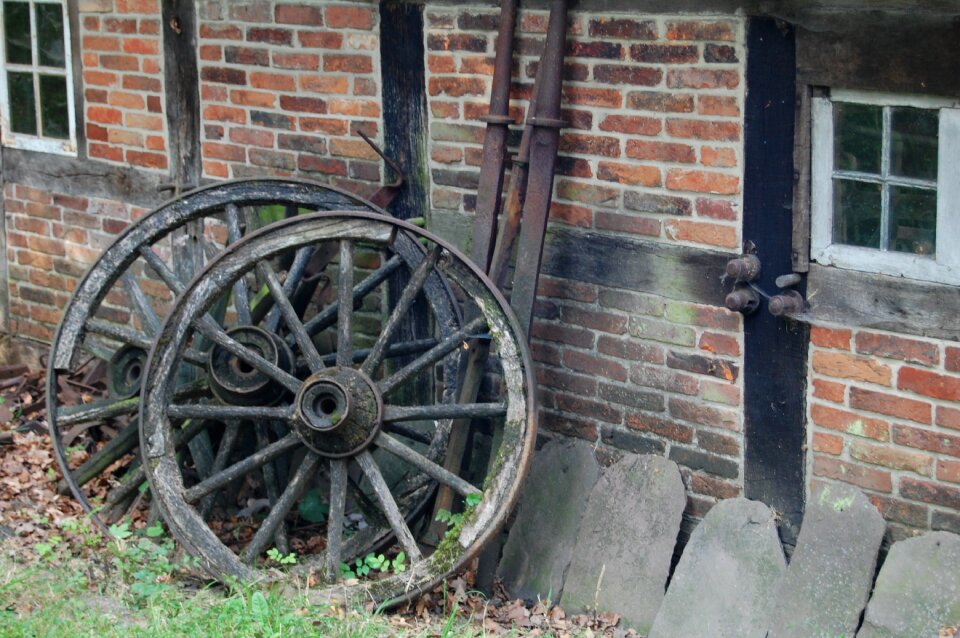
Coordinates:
(544, 141)
(498, 120)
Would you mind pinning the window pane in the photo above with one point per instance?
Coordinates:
(23, 112)
(54, 115)
(856, 213)
(50, 35)
(913, 151)
(913, 220)
(16, 20)
(858, 134)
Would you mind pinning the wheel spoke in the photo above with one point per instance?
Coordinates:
(209, 328)
(217, 411)
(338, 503)
(125, 440)
(240, 468)
(438, 352)
(328, 316)
(227, 443)
(407, 297)
(345, 305)
(389, 506)
(110, 408)
(409, 432)
(395, 447)
(273, 491)
(404, 349)
(141, 304)
(292, 493)
(290, 317)
(443, 411)
(294, 276)
(241, 295)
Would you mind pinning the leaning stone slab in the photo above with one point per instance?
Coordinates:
(830, 575)
(918, 589)
(626, 541)
(541, 540)
(726, 581)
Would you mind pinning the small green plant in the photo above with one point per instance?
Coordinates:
(362, 567)
(46, 549)
(276, 556)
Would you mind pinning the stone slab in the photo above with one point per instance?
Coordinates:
(831, 572)
(541, 541)
(726, 581)
(628, 534)
(918, 589)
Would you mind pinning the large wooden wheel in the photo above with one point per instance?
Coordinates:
(361, 442)
(115, 313)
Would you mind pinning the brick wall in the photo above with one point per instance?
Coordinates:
(285, 88)
(52, 238)
(122, 59)
(653, 150)
(884, 415)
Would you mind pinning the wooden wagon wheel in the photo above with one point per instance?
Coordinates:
(115, 312)
(348, 415)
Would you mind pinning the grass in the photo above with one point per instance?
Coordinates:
(134, 585)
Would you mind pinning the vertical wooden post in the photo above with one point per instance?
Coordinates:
(181, 81)
(775, 349)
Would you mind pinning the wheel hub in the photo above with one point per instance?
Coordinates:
(126, 369)
(339, 412)
(235, 381)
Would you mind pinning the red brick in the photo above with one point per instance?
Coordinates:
(591, 364)
(948, 417)
(299, 14)
(717, 488)
(211, 52)
(627, 223)
(658, 102)
(592, 96)
(297, 61)
(720, 54)
(104, 151)
(362, 108)
(631, 125)
(456, 86)
(631, 349)
(218, 113)
(100, 78)
(320, 39)
(325, 125)
(720, 157)
(566, 289)
(141, 46)
(590, 409)
(602, 321)
(587, 193)
(718, 105)
(867, 478)
(661, 151)
(695, 78)
(845, 366)
(597, 49)
(701, 30)
(948, 471)
(252, 137)
(316, 164)
(104, 115)
(837, 338)
(827, 443)
(349, 17)
(220, 32)
(223, 76)
(890, 405)
(623, 29)
(120, 62)
(666, 380)
(95, 96)
(352, 64)
(142, 83)
(272, 81)
(829, 390)
(900, 511)
(849, 422)
(716, 209)
(126, 100)
(892, 458)
(894, 347)
(572, 167)
(101, 43)
(262, 99)
(700, 414)
(150, 160)
(567, 335)
(661, 427)
(569, 426)
(682, 179)
(303, 104)
(665, 53)
(148, 7)
(572, 215)
(226, 152)
(702, 233)
(704, 130)
(932, 493)
(921, 439)
(720, 344)
(457, 42)
(590, 145)
(629, 174)
(929, 384)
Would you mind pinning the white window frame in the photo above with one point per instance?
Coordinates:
(944, 266)
(38, 142)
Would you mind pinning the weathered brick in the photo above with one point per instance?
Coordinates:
(900, 511)
(890, 405)
(704, 130)
(719, 157)
(656, 204)
(569, 426)
(682, 179)
(223, 76)
(592, 96)
(665, 53)
(246, 56)
(596, 49)
(299, 14)
(327, 166)
(718, 105)
(930, 441)
(663, 331)
(457, 42)
(456, 86)
(716, 209)
(723, 344)
(563, 381)
(846, 366)
(948, 417)
(566, 289)
(702, 233)
(632, 125)
(296, 61)
(631, 349)
(590, 409)
(664, 379)
(710, 486)
(696, 78)
(272, 120)
(320, 39)
(261, 99)
(946, 521)
(623, 29)
(867, 478)
(701, 30)
(701, 414)
(630, 441)
(459, 179)
(627, 223)
(706, 316)
(670, 102)
(661, 427)
(699, 460)
(592, 364)
(349, 63)
(478, 21)
(326, 125)
(892, 458)
(567, 335)
(572, 71)
(629, 174)
(661, 151)
(948, 470)
(587, 193)
(952, 359)
(849, 422)
(616, 74)
(932, 493)
(303, 104)
(569, 214)
(720, 54)
(226, 152)
(895, 347)
(827, 443)
(837, 338)
(929, 384)
(573, 167)
(699, 364)
(349, 17)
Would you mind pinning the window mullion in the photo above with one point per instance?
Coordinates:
(885, 176)
(35, 57)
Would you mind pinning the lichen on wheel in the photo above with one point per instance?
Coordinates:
(99, 353)
(357, 436)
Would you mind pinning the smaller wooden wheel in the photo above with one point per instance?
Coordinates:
(361, 441)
